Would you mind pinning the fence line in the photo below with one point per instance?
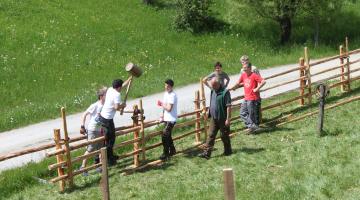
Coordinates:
(142, 135)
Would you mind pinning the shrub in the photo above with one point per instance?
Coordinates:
(193, 15)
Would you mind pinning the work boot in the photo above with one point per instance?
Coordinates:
(227, 153)
(172, 151)
(164, 157)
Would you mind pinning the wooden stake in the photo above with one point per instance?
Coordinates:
(229, 186)
(308, 74)
(197, 125)
(347, 64)
(59, 158)
(104, 175)
(203, 100)
(302, 81)
(142, 131)
(342, 69)
(136, 135)
(67, 149)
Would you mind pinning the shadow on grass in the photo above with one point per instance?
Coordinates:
(160, 5)
(250, 150)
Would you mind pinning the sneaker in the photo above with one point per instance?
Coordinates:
(84, 173)
(204, 155)
(163, 157)
(98, 170)
(254, 129)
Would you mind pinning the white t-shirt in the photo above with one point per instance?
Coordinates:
(112, 97)
(170, 98)
(94, 110)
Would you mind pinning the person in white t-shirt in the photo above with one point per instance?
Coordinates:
(94, 129)
(169, 117)
(112, 104)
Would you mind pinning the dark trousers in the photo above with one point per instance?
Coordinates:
(167, 140)
(214, 126)
(109, 135)
(250, 112)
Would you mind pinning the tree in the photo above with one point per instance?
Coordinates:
(321, 10)
(281, 11)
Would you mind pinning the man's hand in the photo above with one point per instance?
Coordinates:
(255, 90)
(227, 122)
(159, 103)
(82, 130)
(161, 119)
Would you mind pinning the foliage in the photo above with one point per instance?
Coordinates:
(321, 11)
(193, 15)
(281, 11)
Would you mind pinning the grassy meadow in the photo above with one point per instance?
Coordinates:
(287, 162)
(57, 53)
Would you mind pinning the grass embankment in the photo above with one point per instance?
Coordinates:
(56, 53)
(288, 162)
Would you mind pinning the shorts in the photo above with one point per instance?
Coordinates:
(91, 134)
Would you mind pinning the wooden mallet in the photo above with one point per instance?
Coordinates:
(134, 71)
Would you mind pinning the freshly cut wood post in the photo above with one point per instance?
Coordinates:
(104, 175)
(142, 131)
(308, 74)
(67, 149)
(197, 125)
(203, 100)
(342, 69)
(302, 81)
(59, 158)
(229, 185)
(136, 135)
(347, 64)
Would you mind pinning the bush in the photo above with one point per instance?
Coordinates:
(193, 15)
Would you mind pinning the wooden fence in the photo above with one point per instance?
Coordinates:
(142, 132)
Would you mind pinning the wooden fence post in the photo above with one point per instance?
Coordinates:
(342, 69)
(67, 149)
(59, 158)
(197, 125)
(347, 64)
(135, 119)
(104, 175)
(142, 131)
(302, 81)
(308, 74)
(203, 101)
(229, 186)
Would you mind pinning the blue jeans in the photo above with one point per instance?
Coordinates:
(250, 112)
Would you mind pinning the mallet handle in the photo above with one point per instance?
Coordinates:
(126, 95)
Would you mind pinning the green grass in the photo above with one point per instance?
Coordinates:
(288, 162)
(57, 53)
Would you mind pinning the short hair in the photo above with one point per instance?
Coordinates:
(117, 83)
(169, 82)
(101, 92)
(244, 58)
(217, 64)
